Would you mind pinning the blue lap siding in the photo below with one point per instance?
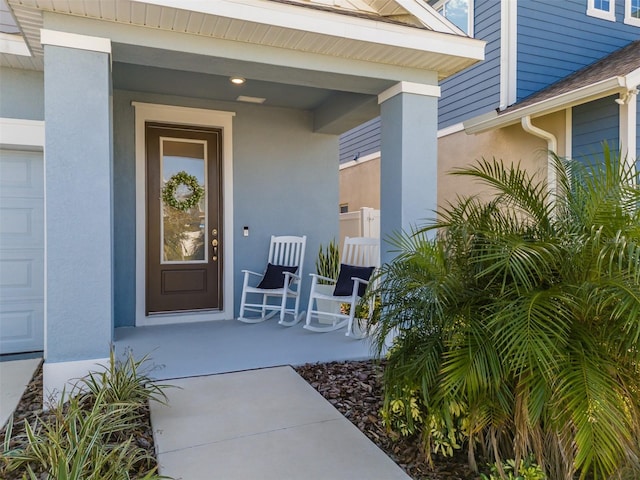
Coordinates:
(594, 123)
(476, 90)
(557, 38)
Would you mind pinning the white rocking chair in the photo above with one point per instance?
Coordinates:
(281, 279)
(360, 257)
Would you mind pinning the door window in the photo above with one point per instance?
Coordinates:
(183, 231)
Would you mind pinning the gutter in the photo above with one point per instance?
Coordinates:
(552, 148)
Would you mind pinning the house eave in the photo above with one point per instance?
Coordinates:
(604, 88)
(284, 26)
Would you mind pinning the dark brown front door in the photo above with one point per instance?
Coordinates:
(184, 250)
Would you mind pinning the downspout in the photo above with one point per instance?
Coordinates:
(552, 148)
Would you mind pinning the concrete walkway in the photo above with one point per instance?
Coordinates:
(266, 424)
(15, 375)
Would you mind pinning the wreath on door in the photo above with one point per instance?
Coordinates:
(189, 181)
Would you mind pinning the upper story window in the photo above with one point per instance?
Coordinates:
(605, 9)
(458, 12)
(632, 12)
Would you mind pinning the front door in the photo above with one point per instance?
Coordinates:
(184, 218)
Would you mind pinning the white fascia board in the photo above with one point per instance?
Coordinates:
(361, 160)
(13, 44)
(450, 130)
(409, 87)
(201, 45)
(74, 40)
(492, 120)
(293, 17)
(632, 80)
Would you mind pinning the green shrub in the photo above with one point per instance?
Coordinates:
(525, 308)
(528, 470)
(90, 436)
(328, 262)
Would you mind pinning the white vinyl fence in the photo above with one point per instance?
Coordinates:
(363, 223)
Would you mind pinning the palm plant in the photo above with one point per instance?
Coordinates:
(525, 309)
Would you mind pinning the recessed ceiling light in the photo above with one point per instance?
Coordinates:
(237, 80)
(243, 98)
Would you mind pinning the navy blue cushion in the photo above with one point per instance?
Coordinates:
(344, 285)
(274, 276)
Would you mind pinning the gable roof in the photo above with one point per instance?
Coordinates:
(618, 72)
(398, 33)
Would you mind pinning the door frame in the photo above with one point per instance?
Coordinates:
(150, 112)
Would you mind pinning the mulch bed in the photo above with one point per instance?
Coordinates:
(353, 388)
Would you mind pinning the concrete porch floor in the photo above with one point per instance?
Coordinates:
(195, 349)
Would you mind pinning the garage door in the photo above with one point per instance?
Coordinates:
(21, 251)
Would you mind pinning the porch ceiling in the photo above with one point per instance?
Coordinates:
(309, 54)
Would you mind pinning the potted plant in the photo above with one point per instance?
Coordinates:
(328, 265)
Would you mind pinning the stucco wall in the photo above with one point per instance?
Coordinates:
(285, 182)
(360, 185)
(510, 144)
(21, 94)
(78, 166)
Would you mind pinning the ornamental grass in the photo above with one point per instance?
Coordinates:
(90, 436)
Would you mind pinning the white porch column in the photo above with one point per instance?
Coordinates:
(409, 158)
(78, 205)
(628, 125)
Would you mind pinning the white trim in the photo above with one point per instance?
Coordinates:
(17, 133)
(14, 44)
(568, 133)
(491, 120)
(470, 15)
(628, 127)
(361, 160)
(409, 87)
(508, 52)
(430, 17)
(61, 376)
(441, 39)
(628, 19)
(609, 15)
(450, 130)
(145, 112)
(74, 40)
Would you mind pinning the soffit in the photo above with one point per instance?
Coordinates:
(382, 42)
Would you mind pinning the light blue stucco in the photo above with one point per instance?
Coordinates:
(285, 182)
(78, 204)
(409, 164)
(21, 94)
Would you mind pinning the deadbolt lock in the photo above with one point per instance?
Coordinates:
(214, 232)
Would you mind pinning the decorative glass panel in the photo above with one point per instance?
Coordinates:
(184, 233)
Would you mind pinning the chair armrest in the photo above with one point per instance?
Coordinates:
(360, 280)
(291, 274)
(252, 273)
(320, 277)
